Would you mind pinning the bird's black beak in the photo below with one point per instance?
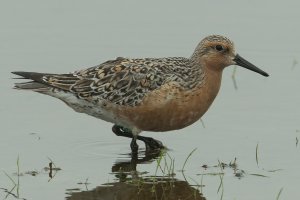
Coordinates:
(244, 63)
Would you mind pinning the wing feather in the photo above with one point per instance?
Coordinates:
(122, 81)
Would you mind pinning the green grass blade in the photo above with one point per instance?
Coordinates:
(256, 154)
(12, 180)
(279, 193)
(187, 159)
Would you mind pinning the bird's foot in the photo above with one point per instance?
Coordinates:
(151, 144)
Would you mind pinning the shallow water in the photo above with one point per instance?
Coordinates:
(257, 123)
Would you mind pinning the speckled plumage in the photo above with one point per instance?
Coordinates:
(150, 94)
(126, 81)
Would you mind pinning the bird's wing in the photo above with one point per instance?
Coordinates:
(122, 81)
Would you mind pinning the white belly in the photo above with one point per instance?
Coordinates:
(99, 110)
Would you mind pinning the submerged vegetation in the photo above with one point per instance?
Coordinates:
(133, 184)
(130, 183)
(14, 191)
(233, 77)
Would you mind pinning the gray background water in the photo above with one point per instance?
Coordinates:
(62, 36)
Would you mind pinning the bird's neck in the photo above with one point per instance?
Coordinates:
(212, 82)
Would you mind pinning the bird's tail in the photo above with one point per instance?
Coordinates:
(36, 83)
(31, 85)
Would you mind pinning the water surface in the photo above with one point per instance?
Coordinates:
(257, 123)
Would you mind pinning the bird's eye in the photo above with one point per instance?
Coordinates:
(219, 47)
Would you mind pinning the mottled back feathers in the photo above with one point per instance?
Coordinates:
(126, 81)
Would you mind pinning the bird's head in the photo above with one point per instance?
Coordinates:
(217, 52)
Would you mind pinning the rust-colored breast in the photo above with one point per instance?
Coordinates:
(172, 107)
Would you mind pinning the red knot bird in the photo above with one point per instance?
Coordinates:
(149, 94)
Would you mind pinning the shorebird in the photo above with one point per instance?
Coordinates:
(148, 94)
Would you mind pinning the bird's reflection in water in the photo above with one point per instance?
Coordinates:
(133, 185)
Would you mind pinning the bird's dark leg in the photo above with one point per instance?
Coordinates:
(134, 146)
(120, 131)
(151, 144)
